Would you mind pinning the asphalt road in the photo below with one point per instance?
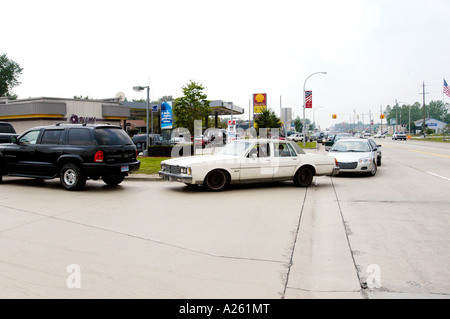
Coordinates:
(386, 236)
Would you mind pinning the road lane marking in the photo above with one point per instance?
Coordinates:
(434, 154)
(439, 176)
(427, 153)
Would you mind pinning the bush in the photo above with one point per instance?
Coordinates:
(166, 150)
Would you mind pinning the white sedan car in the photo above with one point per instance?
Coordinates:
(356, 155)
(247, 161)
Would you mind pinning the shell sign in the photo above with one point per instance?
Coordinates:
(259, 102)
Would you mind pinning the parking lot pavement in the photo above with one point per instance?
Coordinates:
(146, 240)
(165, 240)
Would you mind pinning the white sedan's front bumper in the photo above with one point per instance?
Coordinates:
(355, 167)
(175, 177)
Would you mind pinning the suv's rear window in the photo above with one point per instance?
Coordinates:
(6, 128)
(79, 136)
(112, 136)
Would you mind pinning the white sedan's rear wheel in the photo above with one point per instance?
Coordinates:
(303, 177)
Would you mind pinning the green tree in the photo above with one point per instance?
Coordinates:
(268, 119)
(298, 124)
(9, 72)
(193, 105)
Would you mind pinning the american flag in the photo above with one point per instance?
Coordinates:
(308, 97)
(446, 88)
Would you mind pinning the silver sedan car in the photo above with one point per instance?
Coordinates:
(355, 155)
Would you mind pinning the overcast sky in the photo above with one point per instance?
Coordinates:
(374, 51)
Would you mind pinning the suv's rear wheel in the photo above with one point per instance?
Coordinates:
(113, 180)
(71, 177)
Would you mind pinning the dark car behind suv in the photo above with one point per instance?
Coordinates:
(72, 152)
(6, 132)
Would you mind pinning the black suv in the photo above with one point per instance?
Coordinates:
(72, 152)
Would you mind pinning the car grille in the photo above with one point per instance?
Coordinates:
(174, 169)
(351, 165)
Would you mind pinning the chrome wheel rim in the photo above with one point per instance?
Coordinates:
(70, 177)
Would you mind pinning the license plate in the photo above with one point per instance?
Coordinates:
(124, 168)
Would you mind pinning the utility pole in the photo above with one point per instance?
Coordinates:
(396, 116)
(424, 108)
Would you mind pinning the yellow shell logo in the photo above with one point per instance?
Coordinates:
(259, 98)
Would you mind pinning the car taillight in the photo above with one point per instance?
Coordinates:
(336, 162)
(98, 158)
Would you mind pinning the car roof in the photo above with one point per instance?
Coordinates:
(352, 140)
(59, 125)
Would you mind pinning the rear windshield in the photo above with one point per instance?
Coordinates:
(112, 136)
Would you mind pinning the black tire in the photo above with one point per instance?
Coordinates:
(72, 179)
(373, 172)
(113, 180)
(303, 177)
(379, 162)
(216, 180)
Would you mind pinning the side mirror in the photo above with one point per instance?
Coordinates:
(254, 156)
(379, 145)
(13, 139)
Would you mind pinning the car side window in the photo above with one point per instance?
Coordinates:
(80, 136)
(51, 137)
(261, 150)
(29, 138)
(283, 150)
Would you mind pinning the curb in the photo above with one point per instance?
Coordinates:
(144, 177)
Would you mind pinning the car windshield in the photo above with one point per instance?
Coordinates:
(236, 148)
(351, 146)
(112, 136)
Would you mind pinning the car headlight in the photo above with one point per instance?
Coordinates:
(185, 170)
(365, 160)
(163, 167)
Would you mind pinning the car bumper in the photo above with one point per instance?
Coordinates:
(355, 168)
(102, 169)
(336, 171)
(175, 177)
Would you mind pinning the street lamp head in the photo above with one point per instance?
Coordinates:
(139, 88)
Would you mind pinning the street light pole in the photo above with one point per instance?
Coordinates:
(304, 106)
(314, 115)
(141, 88)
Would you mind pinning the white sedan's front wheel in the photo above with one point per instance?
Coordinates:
(216, 180)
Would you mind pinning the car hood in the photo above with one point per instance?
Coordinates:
(198, 159)
(349, 156)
